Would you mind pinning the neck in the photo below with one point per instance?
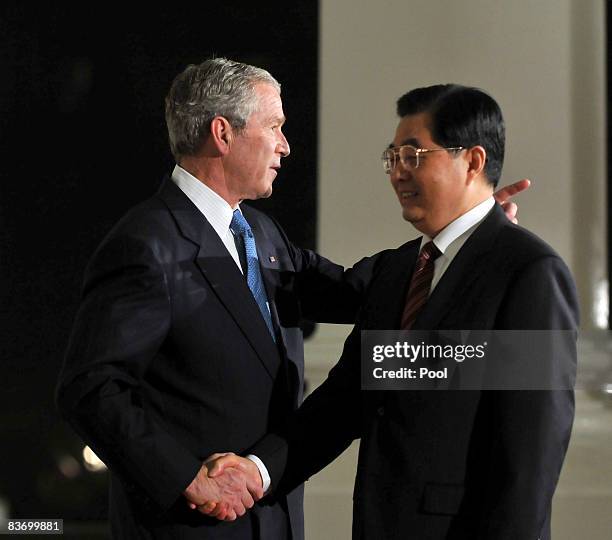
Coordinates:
(211, 173)
(473, 202)
(462, 209)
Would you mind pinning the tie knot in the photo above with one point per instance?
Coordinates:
(430, 252)
(240, 225)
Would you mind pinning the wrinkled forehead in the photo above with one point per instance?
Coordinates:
(269, 104)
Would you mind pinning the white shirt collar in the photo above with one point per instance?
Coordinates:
(461, 225)
(451, 239)
(217, 210)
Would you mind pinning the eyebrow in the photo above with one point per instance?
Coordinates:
(277, 119)
(411, 141)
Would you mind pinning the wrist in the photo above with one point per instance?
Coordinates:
(262, 472)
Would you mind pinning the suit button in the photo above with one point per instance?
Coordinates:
(381, 411)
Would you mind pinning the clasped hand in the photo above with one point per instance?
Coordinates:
(225, 487)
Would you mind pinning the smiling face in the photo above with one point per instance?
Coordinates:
(255, 156)
(437, 192)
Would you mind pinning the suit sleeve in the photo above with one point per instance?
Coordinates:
(330, 418)
(122, 322)
(328, 292)
(322, 428)
(529, 430)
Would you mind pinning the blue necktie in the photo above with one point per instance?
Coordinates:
(240, 227)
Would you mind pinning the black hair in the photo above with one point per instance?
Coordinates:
(461, 116)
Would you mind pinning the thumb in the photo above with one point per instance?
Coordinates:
(219, 465)
(217, 455)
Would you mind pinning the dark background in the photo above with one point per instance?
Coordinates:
(82, 139)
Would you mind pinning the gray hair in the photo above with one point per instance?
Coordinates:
(216, 87)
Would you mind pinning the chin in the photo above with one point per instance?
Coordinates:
(411, 214)
(417, 220)
(265, 194)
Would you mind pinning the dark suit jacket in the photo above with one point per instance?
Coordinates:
(463, 465)
(170, 360)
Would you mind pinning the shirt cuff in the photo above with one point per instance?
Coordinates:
(265, 477)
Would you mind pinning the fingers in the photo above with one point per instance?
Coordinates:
(251, 472)
(201, 490)
(233, 484)
(207, 508)
(231, 515)
(225, 497)
(217, 510)
(220, 511)
(506, 192)
(225, 511)
(235, 497)
(510, 209)
(255, 488)
(247, 500)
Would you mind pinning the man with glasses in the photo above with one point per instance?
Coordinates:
(461, 465)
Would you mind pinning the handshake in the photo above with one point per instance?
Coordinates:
(225, 487)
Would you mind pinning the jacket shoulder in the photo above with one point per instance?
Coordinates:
(145, 219)
(147, 232)
(522, 246)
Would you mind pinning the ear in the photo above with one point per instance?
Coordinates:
(221, 134)
(476, 158)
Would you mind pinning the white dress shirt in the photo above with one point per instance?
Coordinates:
(215, 208)
(451, 239)
(218, 213)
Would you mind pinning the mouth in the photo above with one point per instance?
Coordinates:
(406, 194)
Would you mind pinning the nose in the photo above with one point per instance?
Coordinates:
(283, 145)
(399, 172)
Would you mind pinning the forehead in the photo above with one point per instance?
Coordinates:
(413, 129)
(269, 103)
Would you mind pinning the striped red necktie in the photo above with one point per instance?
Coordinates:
(418, 292)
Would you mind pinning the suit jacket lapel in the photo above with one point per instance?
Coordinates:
(269, 263)
(462, 272)
(220, 270)
(388, 297)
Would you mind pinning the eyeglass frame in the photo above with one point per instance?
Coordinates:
(396, 152)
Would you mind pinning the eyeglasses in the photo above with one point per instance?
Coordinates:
(409, 156)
